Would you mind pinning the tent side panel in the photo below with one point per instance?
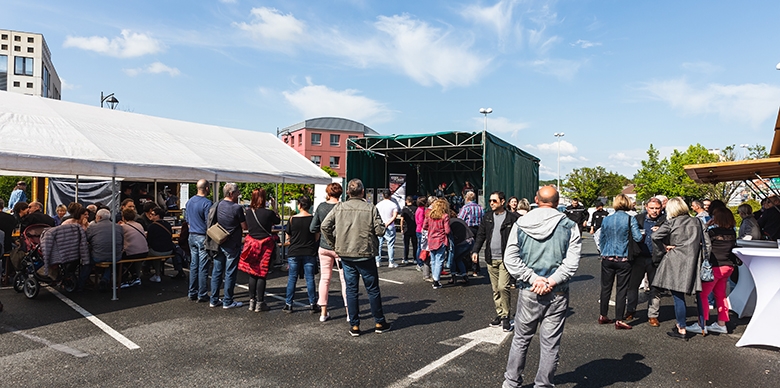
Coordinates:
(510, 170)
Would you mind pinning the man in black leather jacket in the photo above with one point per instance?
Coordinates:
(649, 221)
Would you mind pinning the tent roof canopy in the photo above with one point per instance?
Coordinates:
(734, 171)
(47, 136)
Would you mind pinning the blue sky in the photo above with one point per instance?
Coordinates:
(614, 76)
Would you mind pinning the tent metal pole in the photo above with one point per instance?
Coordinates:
(113, 234)
(76, 198)
(216, 186)
(484, 166)
(768, 184)
(155, 193)
(284, 235)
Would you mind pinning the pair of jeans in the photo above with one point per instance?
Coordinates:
(474, 266)
(499, 281)
(548, 314)
(309, 264)
(680, 308)
(353, 271)
(199, 267)
(611, 271)
(437, 261)
(410, 241)
(419, 248)
(460, 254)
(389, 236)
(225, 263)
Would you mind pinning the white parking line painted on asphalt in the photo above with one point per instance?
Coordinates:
(490, 335)
(299, 304)
(58, 347)
(95, 320)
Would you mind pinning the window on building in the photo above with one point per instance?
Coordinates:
(316, 159)
(292, 141)
(30, 39)
(17, 48)
(4, 37)
(316, 139)
(4, 72)
(16, 84)
(4, 47)
(17, 38)
(353, 137)
(45, 82)
(300, 138)
(29, 85)
(23, 66)
(334, 162)
(334, 140)
(30, 50)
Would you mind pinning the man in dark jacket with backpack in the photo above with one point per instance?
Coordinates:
(494, 231)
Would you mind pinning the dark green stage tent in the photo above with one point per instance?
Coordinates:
(487, 162)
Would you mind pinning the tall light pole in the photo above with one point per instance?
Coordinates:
(559, 135)
(109, 99)
(485, 112)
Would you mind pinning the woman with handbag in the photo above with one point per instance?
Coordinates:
(723, 238)
(617, 244)
(328, 257)
(258, 247)
(684, 245)
(302, 252)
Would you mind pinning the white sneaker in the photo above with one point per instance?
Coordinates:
(715, 328)
(232, 305)
(325, 317)
(695, 328)
(392, 265)
(155, 279)
(378, 264)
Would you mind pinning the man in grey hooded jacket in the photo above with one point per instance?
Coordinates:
(543, 253)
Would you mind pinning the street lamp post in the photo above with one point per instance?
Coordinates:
(559, 135)
(485, 112)
(109, 99)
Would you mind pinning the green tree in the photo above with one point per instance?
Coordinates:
(757, 152)
(651, 179)
(588, 184)
(681, 185)
(330, 171)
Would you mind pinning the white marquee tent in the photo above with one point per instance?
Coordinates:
(46, 136)
(41, 136)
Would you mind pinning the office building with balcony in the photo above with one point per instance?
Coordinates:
(26, 66)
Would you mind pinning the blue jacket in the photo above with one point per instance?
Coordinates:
(544, 243)
(614, 234)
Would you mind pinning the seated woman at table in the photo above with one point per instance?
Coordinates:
(61, 211)
(723, 239)
(78, 215)
(748, 228)
(687, 245)
(159, 238)
(135, 243)
(301, 252)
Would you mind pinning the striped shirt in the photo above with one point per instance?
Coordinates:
(471, 213)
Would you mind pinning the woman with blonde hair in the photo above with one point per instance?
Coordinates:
(684, 244)
(437, 223)
(616, 231)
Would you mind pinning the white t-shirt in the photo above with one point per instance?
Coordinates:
(386, 208)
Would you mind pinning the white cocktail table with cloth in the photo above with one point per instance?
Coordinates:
(764, 267)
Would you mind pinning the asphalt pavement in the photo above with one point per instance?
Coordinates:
(154, 336)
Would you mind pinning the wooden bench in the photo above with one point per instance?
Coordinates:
(123, 270)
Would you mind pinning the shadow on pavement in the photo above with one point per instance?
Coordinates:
(426, 319)
(406, 308)
(606, 372)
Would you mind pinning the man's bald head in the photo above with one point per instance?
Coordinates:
(547, 196)
(203, 187)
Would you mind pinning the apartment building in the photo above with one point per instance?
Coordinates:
(26, 66)
(323, 140)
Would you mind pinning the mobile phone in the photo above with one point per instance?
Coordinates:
(338, 264)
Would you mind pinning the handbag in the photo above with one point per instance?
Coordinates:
(706, 271)
(633, 247)
(217, 232)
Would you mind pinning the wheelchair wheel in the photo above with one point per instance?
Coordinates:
(19, 282)
(31, 288)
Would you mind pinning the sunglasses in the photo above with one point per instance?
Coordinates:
(494, 201)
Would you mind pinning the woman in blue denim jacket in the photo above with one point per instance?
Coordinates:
(616, 229)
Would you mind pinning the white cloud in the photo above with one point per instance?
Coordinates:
(129, 45)
(498, 17)
(67, 85)
(621, 156)
(585, 43)
(274, 30)
(701, 67)
(568, 158)
(501, 125)
(424, 53)
(563, 69)
(566, 147)
(750, 103)
(321, 101)
(154, 68)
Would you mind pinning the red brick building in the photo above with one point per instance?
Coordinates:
(323, 140)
